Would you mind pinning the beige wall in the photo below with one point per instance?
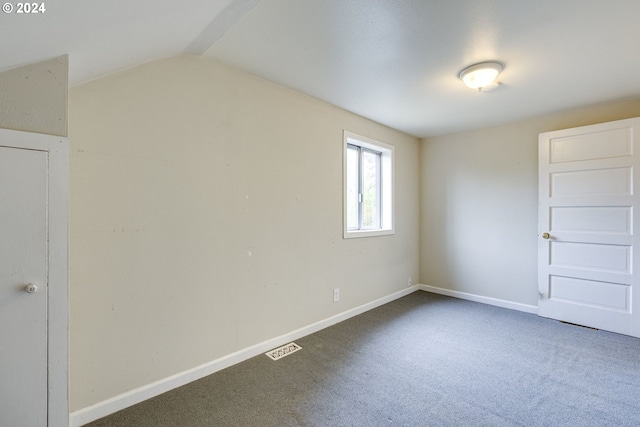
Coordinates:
(206, 216)
(34, 97)
(478, 219)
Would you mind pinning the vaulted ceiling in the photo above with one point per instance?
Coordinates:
(394, 61)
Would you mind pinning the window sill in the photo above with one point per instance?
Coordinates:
(354, 234)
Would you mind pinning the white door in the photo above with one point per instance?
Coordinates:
(23, 307)
(30, 241)
(588, 185)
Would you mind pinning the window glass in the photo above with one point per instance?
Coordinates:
(352, 187)
(368, 187)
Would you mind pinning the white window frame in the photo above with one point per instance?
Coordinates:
(387, 185)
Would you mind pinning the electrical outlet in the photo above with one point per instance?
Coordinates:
(410, 281)
(336, 295)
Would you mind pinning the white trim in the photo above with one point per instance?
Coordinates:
(58, 324)
(482, 299)
(57, 149)
(122, 401)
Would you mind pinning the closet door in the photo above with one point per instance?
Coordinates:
(33, 287)
(23, 287)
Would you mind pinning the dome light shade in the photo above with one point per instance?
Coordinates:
(479, 76)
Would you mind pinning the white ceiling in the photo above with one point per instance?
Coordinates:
(394, 61)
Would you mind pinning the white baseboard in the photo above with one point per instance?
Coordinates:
(478, 298)
(122, 401)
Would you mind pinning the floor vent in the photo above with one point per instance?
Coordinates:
(283, 351)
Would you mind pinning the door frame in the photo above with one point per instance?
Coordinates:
(57, 149)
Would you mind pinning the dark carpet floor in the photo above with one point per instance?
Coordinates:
(422, 360)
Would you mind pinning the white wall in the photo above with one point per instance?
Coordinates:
(206, 216)
(478, 219)
(34, 97)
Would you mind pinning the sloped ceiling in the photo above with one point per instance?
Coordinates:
(394, 61)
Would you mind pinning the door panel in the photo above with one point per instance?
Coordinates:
(23, 260)
(592, 219)
(591, 256)
(587, 195)
(609, 296)
(591, 145)
(615, 182)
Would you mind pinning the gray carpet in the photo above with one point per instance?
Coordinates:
(422, 360)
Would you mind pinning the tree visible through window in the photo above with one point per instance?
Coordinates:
(368, 201)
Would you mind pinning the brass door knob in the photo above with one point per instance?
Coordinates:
(545, 235)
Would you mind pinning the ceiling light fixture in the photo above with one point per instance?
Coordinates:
(481, 76)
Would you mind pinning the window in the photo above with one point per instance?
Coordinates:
(368, 187)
